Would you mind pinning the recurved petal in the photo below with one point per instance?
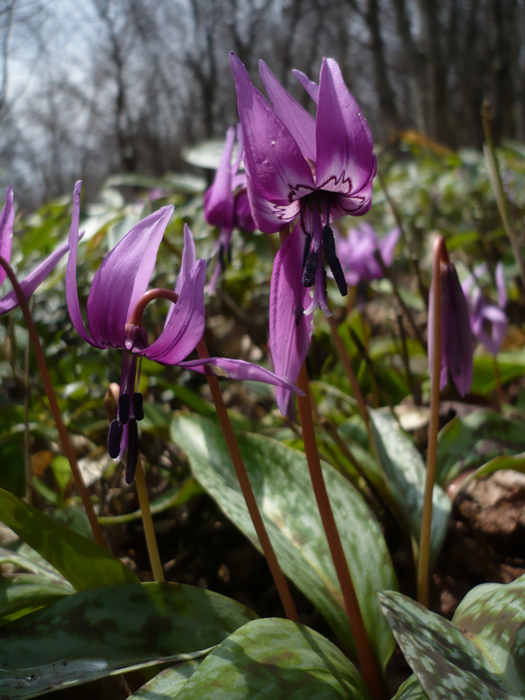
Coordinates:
(387, 245)
(218, 200)
(123, 277)
(345, 157)
(34, 278)
(310, 86)
(237, 369)
(300, 124)
(185, 326)
(273, 158)
(7, 218)
(290, 328)
(188, 258)
(459, 347)
(73, 305)
(269, 217)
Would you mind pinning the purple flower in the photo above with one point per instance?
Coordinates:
(290, 328)
(456, 337)
(117, 293)
(488, 321)
(34, 278)
(226, 203)
(319, 169)
(357, 253)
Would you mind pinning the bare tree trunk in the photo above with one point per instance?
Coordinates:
(437, 73)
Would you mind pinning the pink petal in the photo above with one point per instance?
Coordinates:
(290, 328)
(73, 305)
(123, 277)
(388, 244)
(7, 219)
(185, 326)
(300, 124)
(273, 158)
(34, 278)
(345, 158)
(311, 88)
(237, 369)
(188, 258)
(218, 200)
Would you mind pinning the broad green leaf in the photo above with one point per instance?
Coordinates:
(405, 474)
(447, 664)
(410, 690)
(514, 462)
(280, 479)
(275, 659)
(492, 616)
(82, 562)
(23, 593)
(107, 630)
(167, 683)
(511, 365)
(467, 443)
(28, 563)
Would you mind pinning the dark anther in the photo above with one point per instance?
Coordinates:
(229, 254)
(138, 406)
(114, 438)
(220, 257)
(332, 260)
(123, 408)
(310, 268)
(298, 313)
(306, 249)
(133, 450)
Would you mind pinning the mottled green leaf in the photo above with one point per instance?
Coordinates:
(23, 593)
(447, 664)
(104, 631)
(167, 683)
(27, 563)
(405, 474)
(468, 443)
(410, 690)
(277, 659)
(280, 479)
(514, 462)
(492, 616)
(82, 562)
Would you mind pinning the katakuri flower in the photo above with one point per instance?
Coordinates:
(358, 250)
(115, 304)
(456, 336)
(318, 169)
(226, 203)
(488, 321)
(41, 271)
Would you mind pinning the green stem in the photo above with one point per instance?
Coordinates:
(53, 404)
(423, 572)
(149, 530)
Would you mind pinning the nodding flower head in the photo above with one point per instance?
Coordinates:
(358, 251)
(41, 271)
(318, 169)
(488, 320)
(116, 301)
(456, 336)
(226, 203)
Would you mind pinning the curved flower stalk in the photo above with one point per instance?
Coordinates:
(36, 276)
(456, 336)
(318, 169)
(226, 202)
(358, 249)
(488, 320)
(115, 304)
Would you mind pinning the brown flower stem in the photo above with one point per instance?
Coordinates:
(247, 491)
(369, 666)
(27, 432)
(345, 360)
(147, 520)
(423, 571)
(53, 404)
